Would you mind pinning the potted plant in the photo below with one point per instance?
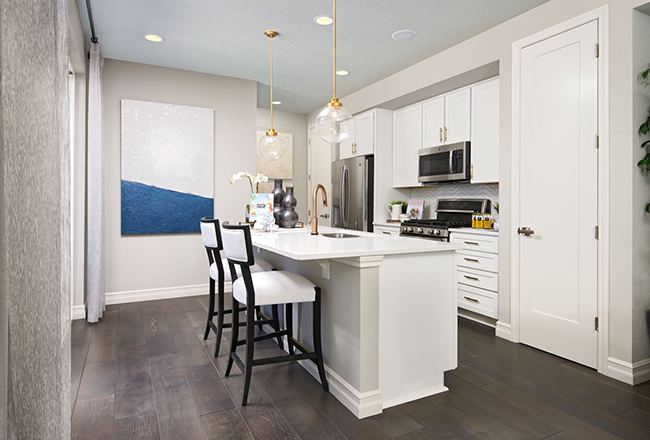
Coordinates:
(259, 178)
(400, 202)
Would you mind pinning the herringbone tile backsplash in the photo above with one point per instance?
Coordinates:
(431, 194)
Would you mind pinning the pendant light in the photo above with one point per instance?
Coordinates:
(271, 146)
(334, 122)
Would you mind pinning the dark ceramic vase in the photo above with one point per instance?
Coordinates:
(278, 196)
(289, 216)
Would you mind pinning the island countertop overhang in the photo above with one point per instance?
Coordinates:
(301, 245)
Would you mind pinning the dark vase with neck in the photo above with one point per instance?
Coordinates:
(289, 216)
(278, 196)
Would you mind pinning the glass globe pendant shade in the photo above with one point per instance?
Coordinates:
(334, 124)
(271, 147)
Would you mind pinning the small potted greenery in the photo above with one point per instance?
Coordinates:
(401, 202)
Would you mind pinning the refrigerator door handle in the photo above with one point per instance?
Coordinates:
(346, 202)
(342, 196)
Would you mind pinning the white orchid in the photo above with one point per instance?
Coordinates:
(259, 178)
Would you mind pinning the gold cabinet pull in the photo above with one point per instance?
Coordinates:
(471, 278)
(445, 134)
(473, 260)
(472, 242)
(440, 134)
(385, 232)
(471, 299)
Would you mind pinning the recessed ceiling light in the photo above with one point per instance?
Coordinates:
(323, 20)
(277, 102)
(404, 35)
(342, 72)
(154, 38)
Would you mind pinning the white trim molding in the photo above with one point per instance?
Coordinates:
(601, 15)
(632, 374)
(503, 330)
(78, 312)
(161, 293)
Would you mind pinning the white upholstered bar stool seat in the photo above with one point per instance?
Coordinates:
(259, 266)
(278, 287)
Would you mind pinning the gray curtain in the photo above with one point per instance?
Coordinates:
(95, 284)
(34, 221)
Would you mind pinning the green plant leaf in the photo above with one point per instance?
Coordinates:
(647, 208)
(644, 129)
(645, 74)
(645, 143)
(643, 162)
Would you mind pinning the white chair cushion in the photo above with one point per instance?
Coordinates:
(259, 266)
(278, 287)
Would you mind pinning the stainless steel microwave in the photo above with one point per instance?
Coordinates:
(446, 163)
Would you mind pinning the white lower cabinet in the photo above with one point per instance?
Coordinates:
(387, 229)
(477, 272)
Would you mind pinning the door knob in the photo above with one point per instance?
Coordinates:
(525, 230)
(325, 215)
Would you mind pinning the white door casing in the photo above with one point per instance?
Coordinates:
(320, 171)
(558, 195)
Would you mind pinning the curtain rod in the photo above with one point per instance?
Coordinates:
(93, 38)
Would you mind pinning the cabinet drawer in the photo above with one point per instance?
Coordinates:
(478, 260)
(478, 278)
(480, 301)
(387, 230)
(475, 242)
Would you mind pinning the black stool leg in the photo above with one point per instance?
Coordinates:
(250, 347)
(317, 340)
(289, 325)
(276, 324)
(234, 334)
(220, 308)
(258, 310)
(210, 310)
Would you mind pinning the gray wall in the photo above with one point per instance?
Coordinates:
(174, 260)
(641, 226)
(296, 123)
(34, 222)
(495, 45)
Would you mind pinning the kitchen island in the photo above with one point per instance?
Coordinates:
(388, 311)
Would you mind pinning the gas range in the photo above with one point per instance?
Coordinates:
(451, 213)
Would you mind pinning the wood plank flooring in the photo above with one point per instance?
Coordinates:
(145, 372)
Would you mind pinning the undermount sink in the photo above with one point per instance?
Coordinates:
(340, 235)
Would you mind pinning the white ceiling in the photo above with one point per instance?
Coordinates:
(226, 38)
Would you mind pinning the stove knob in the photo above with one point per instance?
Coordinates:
(437, 232)
(430, 231)
(420, 231)
(410, 229)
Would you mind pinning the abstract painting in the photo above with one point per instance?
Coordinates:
(167, 167)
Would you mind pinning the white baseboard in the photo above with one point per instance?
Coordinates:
(154, 294)
(632, 374)
(419, 395)
(503, 330)
(360, 404)
(477, 317)
(78, 312)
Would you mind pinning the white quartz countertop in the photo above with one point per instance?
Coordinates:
(299, 244)
(476, 231)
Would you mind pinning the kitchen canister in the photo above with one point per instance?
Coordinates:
(289, 216)
(278, 196)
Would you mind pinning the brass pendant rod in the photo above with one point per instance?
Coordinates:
(272, 84)
(334, 72)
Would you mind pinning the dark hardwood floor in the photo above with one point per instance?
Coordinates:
(144, 372)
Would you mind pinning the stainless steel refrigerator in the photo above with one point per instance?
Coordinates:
(353, 182)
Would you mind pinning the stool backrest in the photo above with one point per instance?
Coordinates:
(211, 233)
(238, 245)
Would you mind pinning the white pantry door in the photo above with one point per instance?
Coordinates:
(320, 171)
(559, 195)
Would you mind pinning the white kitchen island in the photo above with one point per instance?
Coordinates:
(388, 311)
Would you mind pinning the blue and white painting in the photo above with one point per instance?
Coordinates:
(167, 167)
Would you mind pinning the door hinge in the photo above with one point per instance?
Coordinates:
(597, 141)
(597, 233)
(309, 177)
(597, 50)
(596, 324)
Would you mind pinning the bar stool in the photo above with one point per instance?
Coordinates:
(266, 288)
(211, 235)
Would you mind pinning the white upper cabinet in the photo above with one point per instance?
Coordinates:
(362, 141)
(346, 148)
(457, 116)
(407, 140)
(485, 132)
(433, 122)
(365, 133)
